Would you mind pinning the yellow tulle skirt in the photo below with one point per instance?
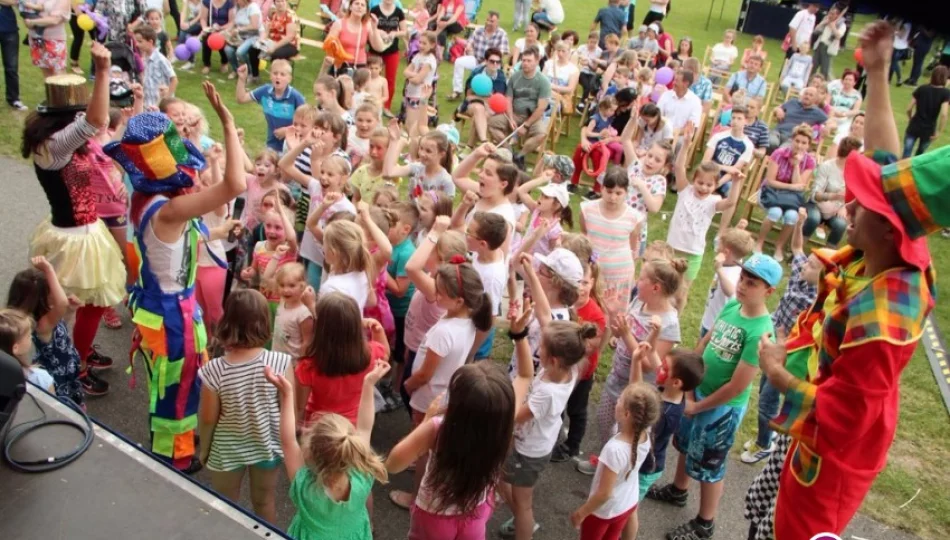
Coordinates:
(86, 258)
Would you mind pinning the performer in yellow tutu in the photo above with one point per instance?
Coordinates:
(166, 214)
(73, 239)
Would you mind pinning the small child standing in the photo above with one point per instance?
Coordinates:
(238, 412)
(158, 80)
(360, 79)
(331, 477)
(538, 418)
(485, 236)
(596, 130)
(419, 75)
(399, 288)
(16, 330)
(735, 245)
(549, 215)
(615, 490)
(37, 293)
(731, 359)
(156, 21)
(696, 204)
(377, 87)
(293, 324)
(797, 69)
(278, 99)
(349, 264)
(800, 293)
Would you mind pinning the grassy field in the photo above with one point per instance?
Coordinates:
(919, 454)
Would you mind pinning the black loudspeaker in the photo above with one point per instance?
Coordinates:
(12, 389)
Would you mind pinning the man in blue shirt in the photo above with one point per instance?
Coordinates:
(10, 51)
(748, 80)
(612, 20)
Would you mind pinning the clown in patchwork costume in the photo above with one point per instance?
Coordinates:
(840, 368)
(166, 210)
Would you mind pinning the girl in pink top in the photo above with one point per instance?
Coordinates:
(549, 215)
(354, 31)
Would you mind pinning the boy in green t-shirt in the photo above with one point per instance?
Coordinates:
(731, 358)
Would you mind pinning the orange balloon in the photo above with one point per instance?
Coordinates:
(334, 49)
(859, 56)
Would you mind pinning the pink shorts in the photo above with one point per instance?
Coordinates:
(428, 526)
(209, 289)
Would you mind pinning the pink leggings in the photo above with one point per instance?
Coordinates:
(209, 289)
(428, 526)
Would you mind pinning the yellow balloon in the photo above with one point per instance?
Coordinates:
(262, 65)
(85, 22)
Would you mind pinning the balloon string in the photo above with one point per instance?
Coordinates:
(510, 135)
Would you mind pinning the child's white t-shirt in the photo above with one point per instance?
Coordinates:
(452, 339)
(353, 284)
(717, 298)
(310, 248)
(534, 339)
(40, 377)
(616, 456)
(546, 400)
(691, 220)
(413, 90)
(494, 279)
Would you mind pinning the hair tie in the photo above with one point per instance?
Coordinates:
(457, 260)
(593, 257)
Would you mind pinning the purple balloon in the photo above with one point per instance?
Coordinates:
(182, 52)
(664, 76)
(193, 44)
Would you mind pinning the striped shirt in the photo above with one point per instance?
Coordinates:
(610, 239)
(248, 427)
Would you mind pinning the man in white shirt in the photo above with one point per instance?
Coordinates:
(489, 36)
(549, 16)
(681, 105)
(801, 27)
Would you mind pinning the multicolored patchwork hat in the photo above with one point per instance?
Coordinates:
(155, 156)
(912, 194)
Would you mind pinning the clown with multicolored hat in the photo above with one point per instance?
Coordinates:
(848, 351)
(166, 211)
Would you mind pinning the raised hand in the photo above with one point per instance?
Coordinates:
(441, 224)
(380, 369)
(470, 198)
(242, 72)
(395, 132)
(877, 44)
(214, 98)
(41, 264)
(519, 321)
(331, 198)
(284, 387)
(101, 57)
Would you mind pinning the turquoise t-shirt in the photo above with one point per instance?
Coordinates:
(397, 269)
(734, 338)
(319, 517)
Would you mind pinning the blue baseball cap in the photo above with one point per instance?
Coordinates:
(765, 268)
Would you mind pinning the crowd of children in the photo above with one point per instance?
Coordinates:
(331, 290)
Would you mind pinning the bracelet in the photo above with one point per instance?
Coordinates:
(519, 336)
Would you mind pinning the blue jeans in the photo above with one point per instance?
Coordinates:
(768, 408)
(239, 55)
(541, 19)
(910, 141)
(9, 50)
(724, 189)
(835, 223)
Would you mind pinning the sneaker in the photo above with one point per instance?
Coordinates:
(561, 454)
(507, 529)
(587, 466)
(98, 360)
(945, 233)
(756, 453)
(18, 105)
(93, 386)
(187, 65)
(691, 530)
(192, 467)
(669, 494)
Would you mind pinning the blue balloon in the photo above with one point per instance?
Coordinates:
(481, 85)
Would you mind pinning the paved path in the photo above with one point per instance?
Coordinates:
(561, 488)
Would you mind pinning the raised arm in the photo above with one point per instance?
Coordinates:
(293, 456)
(391, 169)
(877, 42)
(416, 265)
(679, 165)
(367, 411)
(460, 174)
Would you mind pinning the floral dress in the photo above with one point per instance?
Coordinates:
(59, 357)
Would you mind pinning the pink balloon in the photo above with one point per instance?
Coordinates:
(664, 76)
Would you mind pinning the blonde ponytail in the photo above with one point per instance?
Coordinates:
(332, 447)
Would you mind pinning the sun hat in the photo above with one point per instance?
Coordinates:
(563, 263)
(558, 192)
(156, 158)
(765, 268)
(562, 164)
(912, 194)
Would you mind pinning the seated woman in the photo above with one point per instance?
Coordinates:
(757, 49)
(724, 54)
(217, 16)
(683, 52)
(243, 35)
(856, 131)
(473, 104)
(826, 206)
(283, 34)
(563, 75)
(450, 19)
(531, 34)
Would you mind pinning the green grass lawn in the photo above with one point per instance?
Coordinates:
(920, 453)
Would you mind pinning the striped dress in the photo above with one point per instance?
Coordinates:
(610, 239)
(248, 428)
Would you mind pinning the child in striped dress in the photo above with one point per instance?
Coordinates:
(613, 228)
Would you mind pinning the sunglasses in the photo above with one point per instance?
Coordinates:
(493, 61)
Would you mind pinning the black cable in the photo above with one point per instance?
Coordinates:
(21, 430)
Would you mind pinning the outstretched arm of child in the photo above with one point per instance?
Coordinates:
(293, 456)
(524, 362)
(241, 93)
(290, 236)
(733, 199)
(798, 238)
(183, 208)
(392, 169)
(287, 162)
(57, 299)
(524, 190)
(679, 165)
(467, 203)
(630, 137)
(385, 251)
(416, 265)
(542, 306)
(460, 174)
(367, 412)
(313, 220)
(419, 441)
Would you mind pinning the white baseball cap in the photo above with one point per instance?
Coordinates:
(558, 192)
(565, 264)
(654, 27)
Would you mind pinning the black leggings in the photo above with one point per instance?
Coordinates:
(78, 35)
(206, 53)
(176, 15)
(285, 52)
(450, 30)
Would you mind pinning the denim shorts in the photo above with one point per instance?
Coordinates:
(787, 217)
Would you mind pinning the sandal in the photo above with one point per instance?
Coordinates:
(74, 67)
(402, 499)
(111, 319)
